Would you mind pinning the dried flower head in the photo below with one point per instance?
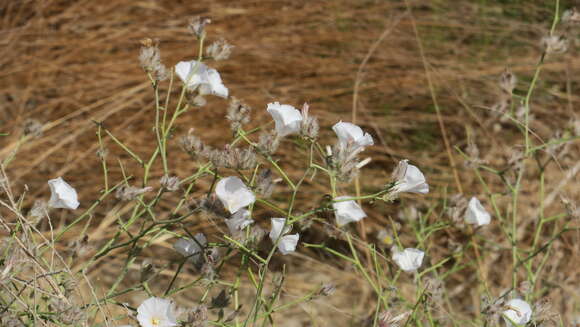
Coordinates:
(238, 114)
(129, 193)
(192, 248)
(265, 183)
(507, 82)
(194, 146)
(32, 128)
(234, 158)
(310, 125)
(219, 50)
(67, 313)
(197, 26)
(239, 221)
(197, 317)
(554, 44)
(150, 59)
(269, 142)
(571, 17)
(170, 183)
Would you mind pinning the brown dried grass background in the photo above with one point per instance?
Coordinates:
(66, 63)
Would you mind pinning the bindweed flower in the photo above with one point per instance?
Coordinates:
(288, 119)
(518, 312)
(409, 178)
(347, 211)
(234, 194)
(476, 213)
(409, 259)
(238, 221)
(197, 74)
(287, 243)
(191, 248)
(351, 134)
(156, 312)
(62, 195)
(129, 193)
(278, 228)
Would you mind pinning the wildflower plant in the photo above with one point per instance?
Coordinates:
(243, 192)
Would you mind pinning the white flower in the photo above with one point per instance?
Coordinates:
(476, 213)
(409, 179)
(288, 119)
(288, 243)
(519, 311)
(156, 312)
(194, 74)
(278, 229)
(347, 211)
(349, 133)
(62, 194)
(239, 220)
(188, 247)
(234, 194)
(408, 260)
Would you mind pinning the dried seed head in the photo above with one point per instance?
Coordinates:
(128, 193)
(11, 320)
(219, 50)
(147, 270)
(238, 114)
(507, 82)
(554, 44)
(197, 317)
(327, 290)
(211, 205)
(571, 17)
(197, 26)
(39, 210)
(102, 153)
(309, 127)
(150, 59)
(268, 142)
(265, 183)
(32, 128)
(234, 158)
(170, 183)
(66, 313)
(194, 146)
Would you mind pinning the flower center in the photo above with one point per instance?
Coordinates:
(155, 321)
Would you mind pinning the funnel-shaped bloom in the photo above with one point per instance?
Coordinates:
(234, 194)
(409, 179)
(347, 211)
(288, 243)
(188, 247)
(62, 195)
(476, 213)
(518, 311)
(408, 260)
(196, 74)
(278, 229)
(288, 119)
(156, 312)
(351, 134)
